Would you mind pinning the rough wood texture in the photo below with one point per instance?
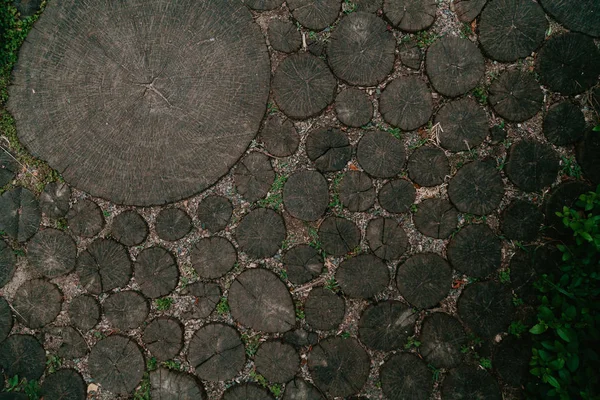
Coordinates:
(164, 338)
(397, 195)
(406, 102)
(263, 5)
(329, 149)
(410, 15)
(305, 195)
(436, 218)
(172, 224)
(156, 272)
(52, 252)
(277, 361)
(353, 107)
(8, 262)
(20, 214)
(532, 165)
(8, 167)
(300, 338)
(477, 188)
(356, 191)
(463, 123)
(386, 238)
(442, 338)
(22, 355)
(213, 257)
(64, 384)
(37, 303)
(214, 213)
(85, 218)
(588, 156)
(254, 176)
(523, 274)
(486, 308)
(521, 221)
(406, 376)
(299, 389)
(324, 309)
(84, 312)
(565, 194)
(468, 10)
(516, 96)
(511, 360)
(424, 279)
(380, 154)
(129, 228)
(206, 297)
(166, 384)
(126, 310)
(339, 236)
(581, 16)
(247, 391)
(564, 123)
(103, 266)
(428, 166)
(216, 352)
(284, 36)
(315, 14)
(387, 325)
(362, 276)
(475, 250)
(6, 319)
(467, 382)
(411, 55)
(302, 263)
(280, 137)
(54, 200)
(73, 343)
(260, 233)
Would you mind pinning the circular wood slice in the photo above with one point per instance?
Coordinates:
(362, 276)
(463, 123)
(6, 319)
(104, 266)
(315, 14)
(324, 309)
(85, 218)
(565, 194)
(353, 107)
(468, 10)
(497, 134)
(129, 228)
(37, 303)
(578, 17)
(214, 213)
(511, 360)
(299, 389)
(532, 165)
(284, 36)
(356, 191)
(263, 5)
(280, 137)
(206, 297)
(277, 361)
(64, 384)
(454, 65)
(397, 195)
(9, 167)
(54, 200)
(428, 166)
(254, 176)
(213, 257)
(410, 15)
(436, 218)
(405, 376)
(361, 50)
(73, 343)
(467, 382)
(300, 338)
(166, 384)
(521, 220)
(303, 86)
(164, 338)
(261, 301)
(475, 250)
(52, 252)
(486, 308)
(22, 355)
(260, 233)
(387, 325)
(406, 102)
(339, 367)
(216, 352)
(27, 8)
(386, 238)
(564, 123)
(305, 195)
(516, 96)
(588, 156)
(477, 188)
(172, 224)
(380, 154)
(247, 391)
(156, 272)
(84, 312)
(302, 263)
(339, 236)
(424, 280)
(411, 55)
(523, 275)
(329, 149)
(569, 63)
(126, 310)
(8, 261)
(117, 364)
(20, 214)
(442, 338)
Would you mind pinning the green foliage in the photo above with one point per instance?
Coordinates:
(412, 342)
(481, 94)
(143, 391)
(251, 343)
(274, 199)
(53, 363)
(314, 238)
(151, 364)
(570, 167)
(414, 208)
(395, 132)
(517, 328)
(258, 378)
(426, 39)
(163, 303)
(276, 389)
(223, 306)
(349, 6)
(466, 30)
(504, 275)
(435, 372)
(417, 144)
(172, 364)
(61, 224)
(272, 108)
(485, 363)
(345, 335)
(299, 311)
(333, 285)
(29, 388)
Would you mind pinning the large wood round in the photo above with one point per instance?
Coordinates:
(521, 220)
(299, 389)
(315, 14)
(216, 352)
(156, 272)
(436, 218)
(103, 266)
(406, 376)
(8, 261)
(410, 15)
(9, 168)
(64, 384)
(260, 233)
(424, 279)
(386, 326)
(302, 263)
(588, 156)
(442, 338)
(564, 123)
(353, 107)
(187, 90)
(130, 228)
(305, 195)
(6, 319)
(324, 309)
(386, 238)
(22, 355)
(516, 96)
(164, 337)
(428, 166)
(247, 391)
(280, 137)
(356, 191)
(475, 250)
(214, 213)
(126, 310)
(463, 123)
(277, 361)
(284, 36)
(54, 200)
(329, 149)
(37, 303)
(52, 252)
(380, 154)
(172, 224)
(362, 276)
(166, 384)
(477, 188)
(468, 10)
(20, 214)
(486, 308)
(84, 312)
(254, 176)
(581, 16)
(213, 257)
(397, 196)
(406, 102)
(467, 382)
(532, 165)
(339, 236)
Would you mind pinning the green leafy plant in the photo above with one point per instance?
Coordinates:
(426, 39)
(517, 328)
(412, 342)
(481, 94)
(143, 390)
(275, 389)
(151, 364)
(223, 306)
(299, 311)
(485, 363)
(274, 199)
(333, 285)
(53, 363)
(258, 378)
(349, 7)
(172, 364)
(164, 303)
(345, 335)
(504, 275)
(570, 167)
(251, 343)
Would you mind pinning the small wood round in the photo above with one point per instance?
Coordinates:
(27, 8)
(130, 228)
(564, 123)
(565, 194)
(516, 96)
(362, 276)
(406, 102)
(329, 149)
(6, 319)
(436, 218)
(84, 312)
(22, 355)
(37, 303)
(324, 309)
(300, 338)
(521, 221)
(588, 156)
(8, 261)
(54, 200)
(339, 367)
(302, 263)
(411, 55)
(103, 266)
(284, 36)
(117, 364)
(523, 275)
(254, 176)
(475, 250)
(454, 65)
(172, 224)
(156, 272)
(380, 154)
(216, 352)
(575, 16)
(164, 338)
(497, 134)
(260, 233)
(206, 297)
(247, 391)
(424, 280)
(9, 168)
(302, 85)
(361, 50)
(166, 384)
(126, 310)
(64, 384)
(299, 389)
(405, 376)
(85, 218)
(339, 236)
(353, 107)
(356, 191)
(468, 10)
(477, 188)
(73, 343)
(315, 14)
(428, 166)
(280, 137)
(511, 360)
(213, 257)
(569, 63)
(52, 252)
(397, 195)
(214, 213)
(386, 238)
(532, 165)
(463, 123)
(277, 361)
(263, 5)
(442, 338)
(386, 326)
(486, 308)
(20, 214)
(305, 195)
(467, 382)
(410, 15)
